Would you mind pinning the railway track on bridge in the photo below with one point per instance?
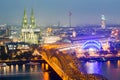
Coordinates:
(65, 65)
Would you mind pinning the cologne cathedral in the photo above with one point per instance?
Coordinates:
(29, 31)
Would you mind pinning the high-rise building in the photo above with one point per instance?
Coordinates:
(103, 22)
(29, 32)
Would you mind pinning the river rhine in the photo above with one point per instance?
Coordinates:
(109, 69)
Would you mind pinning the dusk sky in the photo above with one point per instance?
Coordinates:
(50, 12)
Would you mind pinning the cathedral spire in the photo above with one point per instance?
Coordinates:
(25, 21)
(25, 13)
(32, 20)
(32, 12)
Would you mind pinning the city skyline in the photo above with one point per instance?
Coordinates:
(57, 11)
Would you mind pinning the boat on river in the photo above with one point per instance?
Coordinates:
(3, 64)
(32, 63)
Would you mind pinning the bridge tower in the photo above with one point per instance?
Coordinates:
(103, 22)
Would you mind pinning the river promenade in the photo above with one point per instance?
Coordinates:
(102, 58)
(21, 61)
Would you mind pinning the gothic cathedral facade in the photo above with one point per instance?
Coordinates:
(29, 32)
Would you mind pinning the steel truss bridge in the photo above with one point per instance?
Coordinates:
(67, 66)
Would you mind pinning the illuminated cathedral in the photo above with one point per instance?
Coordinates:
(29, 31)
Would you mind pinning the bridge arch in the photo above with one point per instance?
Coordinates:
(92, 44)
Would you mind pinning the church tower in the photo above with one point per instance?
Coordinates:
(25, 21)
(29, 32)
(23, 35)
(103, 23)
(32, 20)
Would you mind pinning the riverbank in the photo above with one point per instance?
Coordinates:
(21, 61)
(99, 58)
(81, 59)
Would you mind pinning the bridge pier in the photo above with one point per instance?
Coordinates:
(66, 78)
(45, 67)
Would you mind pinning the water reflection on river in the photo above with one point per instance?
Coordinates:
(109, 69)
(26, 72)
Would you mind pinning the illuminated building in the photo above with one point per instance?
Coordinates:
(103, 24)
(51, 39)
(74, 34)
(29, 32)
(115, 33)
(92, 44)
(49, 31)
(4, 31)
(13, 48)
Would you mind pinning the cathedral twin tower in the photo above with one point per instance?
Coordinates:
(25, 21)
(29, 32)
